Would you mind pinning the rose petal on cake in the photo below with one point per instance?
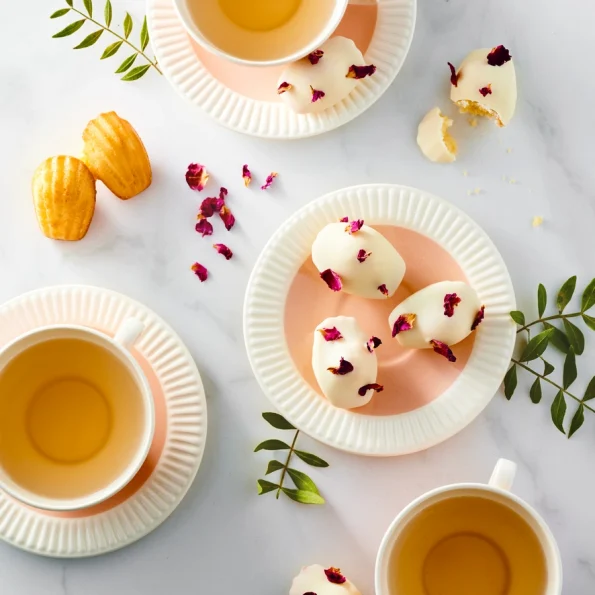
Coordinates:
(362, 255)
(443, 349)
(373, 343)
(330, 334)
(487, 90)
(223, 249)
(499, 56)
(451, 301)
(315, 56)
(332, 280)
(454, 77)
(204, 227)
(478, 318)
(316, 94)
(334, 576)
(246, 175)
(200, 271)
(403, 323)
(283, 88)
(197, 176)
(227, 217)
(383, 290)
(355, 226)
(360, 72)
(344, 220)
(344, 368)
(375, 387)
(270, 178)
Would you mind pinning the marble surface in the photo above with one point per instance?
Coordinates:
(223, 538)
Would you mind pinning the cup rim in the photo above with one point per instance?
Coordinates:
(555, 577)
(194, 32)
(136, 462)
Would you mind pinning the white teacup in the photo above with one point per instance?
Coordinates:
(422, 565)
(77, 415)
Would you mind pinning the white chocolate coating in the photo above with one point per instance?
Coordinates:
(342, 391)
(336, 249)
(312, 579)
(329, 75)
(433, 138)
(431, 323)
(474, 74)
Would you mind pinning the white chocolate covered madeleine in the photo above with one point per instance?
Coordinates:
(433, 138)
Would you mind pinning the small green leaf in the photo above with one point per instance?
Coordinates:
(89, 7)
(541, 300)
(558, 339)
(559, 411)
(510, 382)
(547, 367)
(69, 2)
(577, 420)
(111, 49)
(575, 337)
(89, 40)
(72, 28)
(302, 481)
(60, 13)
(126, 64)
(107, 13)
(536, 346)
(589, 321)
(272, 445)
(590, 392)
(264, 486)
(535, 392)
(588, 299)
(136, 73)
(274, 466)
(311, 459)
(127, 25)
(565, 294)
(277, 421)
(518, 317)
(303, 497)
(570, 373)
(144, 35)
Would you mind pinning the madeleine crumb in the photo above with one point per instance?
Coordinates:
(537, 221)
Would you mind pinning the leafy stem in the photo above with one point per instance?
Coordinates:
(284, 471)
(547, 319)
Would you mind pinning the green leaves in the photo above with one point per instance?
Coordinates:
(558, 411)
(536, 346)
(589, 321)
(575, 337)
(136, 73)
(547, 367)
(565, 294)
(577, 420)
(274, 465)
(272, 445)
(89, 40)
(144, 35)
(518, 317)
(59, 13)
(570, 372)
(126, 64)
(277, 421)
(304, 497)
(302, 481)
(89, 7)
(264, 486)
(111, 49)
(558, 339)
(311, 459)
(588, 299)
(127, 25)
(107, 13)
(510, 382)
(72, 28)
(590, 392)
(535, 392)
(541, 300)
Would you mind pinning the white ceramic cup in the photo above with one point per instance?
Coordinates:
(497, 489)
(124, 449)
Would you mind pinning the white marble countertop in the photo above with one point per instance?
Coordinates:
(223, 538)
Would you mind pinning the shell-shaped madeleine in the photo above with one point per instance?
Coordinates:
(64, 197)
(115, 154)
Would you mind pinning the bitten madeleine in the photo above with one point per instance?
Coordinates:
(115, 154)
(64, 197)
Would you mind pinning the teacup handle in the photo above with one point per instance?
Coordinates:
(503, 475)
(128, 333)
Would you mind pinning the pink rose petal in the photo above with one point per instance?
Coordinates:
(332, 280)
(227, 217)
(197, 176)
(383, 290)
(487, 90)
(355, 226)
(334, 576)
(200, 271)
(344, 220)
(443, 349)
(360, 72)
(403, 323)
(344, 368)
(246, 175)
(454, 77)
(499, 56)
(478, 318)
(451, 301)
(204, 227)
(316, 94)
(223, 249)
(269, 180)
(375, 387)
(362, 255)
(330, 334)
(283, 88)
(315, 56)
(373, 343)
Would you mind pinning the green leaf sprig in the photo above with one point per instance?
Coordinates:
(305, 491)
(569, 339)
(125, 68)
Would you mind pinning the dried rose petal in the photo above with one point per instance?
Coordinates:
(403, 323)
(197, 176)
(330, 334)
(204, 227)
(316, 94)
(487, 90)
(454, 77)
(478, 318)
(344, 220)
(212, 204)
(334, 576)
(362, 255)
(360, 72)
(443, 349)
(451, 300)
(310, 593)
(373, 343)
(344, 368)
(332, 280)
(383, 290)
(223, 249)
(355, 226)
(247, 175)
(227, 217)
(200, 271)
(269, 180)
(283, 88)
(364, 389)
(315, 57)
(499, 56)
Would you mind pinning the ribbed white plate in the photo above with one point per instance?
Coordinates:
(186, 410)
(399, 434)
(183, 69)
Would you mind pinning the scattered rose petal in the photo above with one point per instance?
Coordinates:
(362, 255)
(487, 90)
(227, 217)
(197, 176)
(315, 56)
(247, 175)
(344, 220)
(355, 226)
(269, 180)
(383, 290)
(223, 249)
(344, 368)
(454, 77)
(316, 94)
(499, 56)
(330, 334)
(360, 72)
(451, 301)
(403, 323)
(334, 576)
(373, 343)
(283, 88)
(200, 271)
(364, 389)
(204, 227)
(207, 208)
(443, 349)
(478, 318)
(332, 280)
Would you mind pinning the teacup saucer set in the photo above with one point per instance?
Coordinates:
(432, 399)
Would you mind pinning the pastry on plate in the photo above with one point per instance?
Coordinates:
(433, 138)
